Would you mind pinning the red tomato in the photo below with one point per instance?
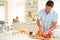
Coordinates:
(47, 36)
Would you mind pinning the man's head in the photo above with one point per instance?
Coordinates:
(49, 6)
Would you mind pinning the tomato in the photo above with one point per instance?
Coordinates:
(47, 36)
(39, 33)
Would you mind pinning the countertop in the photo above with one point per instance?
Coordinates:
(7, 35)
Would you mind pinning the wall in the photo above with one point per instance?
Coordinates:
(16, 8)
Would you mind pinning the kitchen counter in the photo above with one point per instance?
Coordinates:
(7, 35)
(30, 27)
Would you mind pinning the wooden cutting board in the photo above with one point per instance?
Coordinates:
(36, 37)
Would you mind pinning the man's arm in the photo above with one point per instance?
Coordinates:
(39, 25)
(54, 25)
(54, 22)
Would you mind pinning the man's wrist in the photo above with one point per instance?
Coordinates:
(41, 28)
(48, 31)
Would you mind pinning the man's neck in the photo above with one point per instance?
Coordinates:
(47, 12)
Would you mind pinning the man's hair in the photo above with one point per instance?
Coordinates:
(50, 3)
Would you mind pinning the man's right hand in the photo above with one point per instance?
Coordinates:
(39, 33)
(39, 25)
(41, 29)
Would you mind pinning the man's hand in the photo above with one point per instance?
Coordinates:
(40, 32)
(54, 24)
(45, 33)
(41, 29)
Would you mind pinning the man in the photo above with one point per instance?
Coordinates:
(47, 19)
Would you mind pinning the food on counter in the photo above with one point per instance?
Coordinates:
(39, 34)
(24, 31)
(21, 31)
(30, 33)
(27, 33)
(47, 36)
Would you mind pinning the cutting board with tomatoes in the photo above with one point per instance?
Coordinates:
(39, 35)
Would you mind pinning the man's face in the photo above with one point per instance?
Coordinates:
(48, 9)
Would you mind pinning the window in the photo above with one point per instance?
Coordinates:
(2, 12)
(16, 8)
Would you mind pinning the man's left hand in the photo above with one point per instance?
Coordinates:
(45, 33)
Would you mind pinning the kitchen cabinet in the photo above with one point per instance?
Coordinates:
(29, 27)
